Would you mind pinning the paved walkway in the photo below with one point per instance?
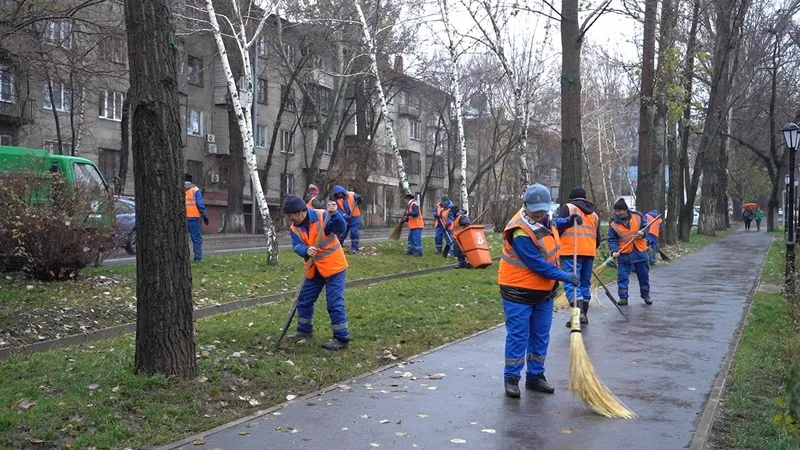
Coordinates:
(662, 364)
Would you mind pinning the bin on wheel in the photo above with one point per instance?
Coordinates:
(473, 244)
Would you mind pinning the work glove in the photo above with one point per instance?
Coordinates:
(574, 279)
(405, 218)
(575, 219)
(435, 215)
(205, 220)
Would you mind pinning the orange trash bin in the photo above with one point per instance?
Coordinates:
(473, 244)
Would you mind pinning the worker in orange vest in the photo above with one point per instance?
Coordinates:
(195, 209)
(580, 214)
(313, 192)
(443, 222)
(348, 202)
(528, 277)
(413, 217)
(628, 227)
(460, 222)
(327, 270)
(653, 232)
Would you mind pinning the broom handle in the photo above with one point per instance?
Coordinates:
(575, 263)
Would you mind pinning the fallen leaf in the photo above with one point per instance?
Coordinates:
(35, 441)
(458, 441)
(489, 430)
(422, 416)
(364, 416)
(117, 388)
(199, 380)
(289, 362)
(93, 387)
(407, 374)
(199, 442)
(254, 402)
(213, 393)
(25, 404)
(567, 431)
(384, 421)
(401, 433)
(291, 397)
(374, 444)
(244, 433)
(344, 428)
(432, 388)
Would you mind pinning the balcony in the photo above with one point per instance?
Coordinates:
(18, 112)
(408, 110)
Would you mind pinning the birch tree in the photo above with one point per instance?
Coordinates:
(241, 97)
(401, 168)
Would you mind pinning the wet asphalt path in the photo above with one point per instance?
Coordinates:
(662, 364)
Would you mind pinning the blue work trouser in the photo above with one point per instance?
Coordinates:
(462, 261)
(439, 237)
(652, 245)
(334, 291)
(527, 337)
(585, 264)
(353, 229)
(414, 242)
(623, 278)
(193, 224)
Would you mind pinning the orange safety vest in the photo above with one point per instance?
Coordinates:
(443, 213)
(355, 211)
(330, 258)
(587, 234)
(310, 202)
(456, 226)
(414, 222)
(629, 234)
(655, 228)
(512, 271)
(191, 204)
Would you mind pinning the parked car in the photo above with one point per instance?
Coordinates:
(125, 232)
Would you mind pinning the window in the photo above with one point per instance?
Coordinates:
(412, 162)
(262, 91)
(416, 130)
(322, 98)
(195, 169)
(111, 105)
(328, 146)
(225, 175)
(111, 48)
(195, 68)
(403, 98)
(123, 207)
(388, 163)
(287, 184)
(61, 99)
(261, 136)
(288, 51)
(437, 166)
(88, 175)
(287, 95)
(262, 47)
(7, 85)
(317, 62)
(194, 123)
(286, 142)
(52, 147)
(109, 162)
(5, 139)
(58, 32)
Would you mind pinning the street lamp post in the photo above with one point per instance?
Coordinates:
(791, 133)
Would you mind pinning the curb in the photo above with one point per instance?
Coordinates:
(119, 330)
(258, 414)
(706, 420)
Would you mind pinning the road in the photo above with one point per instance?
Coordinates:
(225, 245)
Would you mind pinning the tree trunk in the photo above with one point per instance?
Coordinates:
(646, 183)
(125, 143)
(234, 222)
(675, 188)
(571, 137)
(56, 119)
(164, 327)
(685, 197)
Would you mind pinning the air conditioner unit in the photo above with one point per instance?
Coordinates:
(211, 149)
(210, 138)
(214, 178)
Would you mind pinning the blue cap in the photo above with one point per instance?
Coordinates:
(537, 198)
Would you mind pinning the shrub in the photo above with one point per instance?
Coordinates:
(51, 228)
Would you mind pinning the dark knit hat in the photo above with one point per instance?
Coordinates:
(445, 199)
(293, 204)
(621, 205)
(577, 192)
(409, 196)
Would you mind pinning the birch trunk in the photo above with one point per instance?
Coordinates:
(401, 168)
(462, 137)
(243, 116)
(81, 118)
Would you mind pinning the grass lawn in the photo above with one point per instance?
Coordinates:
(33, 311)
(769, 345)
(88, 396)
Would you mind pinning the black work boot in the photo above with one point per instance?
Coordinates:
(539, 383)
(512, 387)
(647, 300)
(584, 313)
(299, 336)
(334, 345)
(622, 302)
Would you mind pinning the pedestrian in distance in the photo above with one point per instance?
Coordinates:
(348, 203)
(747, 216)
(195, 210)
(460, 221)
(327, 270)
(443, 222)
(580, 213)
(528, 277)
(413, 217)
(628, 245)
(313, 192)
(759, 216)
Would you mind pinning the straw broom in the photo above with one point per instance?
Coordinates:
(583, 381)
(398, 230)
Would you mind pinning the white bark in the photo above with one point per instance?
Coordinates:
(243, 114)
(387, 121)
(81, 118)
(462, 137)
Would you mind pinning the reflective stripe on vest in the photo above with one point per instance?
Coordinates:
(415, 222)
(514, 272)
(655, 228)
(629, 234)
(587, 234)
(330, 258)
(191, 204)
(355, 211)
(443, 213)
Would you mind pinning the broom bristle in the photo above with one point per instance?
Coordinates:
(395, 234)
(584, 384)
